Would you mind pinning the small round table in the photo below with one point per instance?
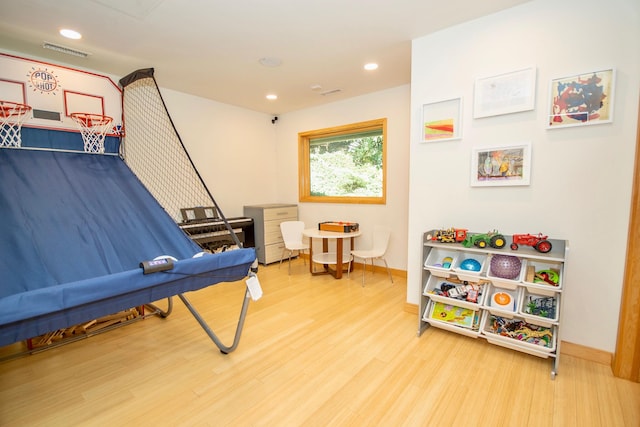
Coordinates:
(327, 258)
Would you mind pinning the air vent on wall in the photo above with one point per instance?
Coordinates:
(46, 115)
(331, 92)
(64, 49)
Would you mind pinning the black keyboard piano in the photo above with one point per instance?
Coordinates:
(208, 230)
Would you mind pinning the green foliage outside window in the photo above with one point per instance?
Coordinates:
(347, 168)
(344, 164)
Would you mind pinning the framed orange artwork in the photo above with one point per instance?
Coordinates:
(441, 121)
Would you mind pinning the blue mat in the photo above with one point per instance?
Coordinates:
(74, 228)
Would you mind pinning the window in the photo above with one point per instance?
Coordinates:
(345, 164)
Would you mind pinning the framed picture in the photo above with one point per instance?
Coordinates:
(506, 93)
(582, 99)
(503, 165)
(441, 121)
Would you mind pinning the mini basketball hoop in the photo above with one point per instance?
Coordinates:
(93, 128)
(12, 116)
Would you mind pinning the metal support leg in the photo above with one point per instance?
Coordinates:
(236, 340)
(282, 257)
(388, 271)
(158, 311)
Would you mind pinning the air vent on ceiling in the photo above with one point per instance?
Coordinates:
(65, 49)
(331, 92)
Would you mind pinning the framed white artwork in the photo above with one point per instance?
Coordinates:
(505, 93)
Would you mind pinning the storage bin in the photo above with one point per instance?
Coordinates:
(453, 315)
(436, 262)
(508, 308)
(501, 282)
(542, 268)
(468, 275)
(464, 300)
(543, 310)
(519, 334)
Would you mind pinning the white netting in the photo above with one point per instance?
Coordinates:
(12, 116)
(153, 150)
(93, 128)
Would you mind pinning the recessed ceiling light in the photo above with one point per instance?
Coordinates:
(371, 66)
(272, 97)
(70, 34)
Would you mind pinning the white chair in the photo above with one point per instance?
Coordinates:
(292, 236)
(381, 237)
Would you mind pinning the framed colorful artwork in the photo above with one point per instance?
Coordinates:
(582, 99)
(441, 121)
(501, 166)
(505, 93)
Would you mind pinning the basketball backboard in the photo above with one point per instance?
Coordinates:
(54, 92)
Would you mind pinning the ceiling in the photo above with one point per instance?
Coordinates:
(211, 48)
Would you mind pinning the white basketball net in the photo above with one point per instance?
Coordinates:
(93, 128)
(12, 116)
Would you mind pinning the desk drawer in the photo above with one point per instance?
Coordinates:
(273, 236)
(272, 233)
(272, 253)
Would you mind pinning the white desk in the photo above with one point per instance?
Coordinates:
(327, 258)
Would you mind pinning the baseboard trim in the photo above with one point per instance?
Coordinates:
(586, 353)
(380, 269)
(566, 348)
(410, 308)
(376, 268)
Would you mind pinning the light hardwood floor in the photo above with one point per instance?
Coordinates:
(315, 352)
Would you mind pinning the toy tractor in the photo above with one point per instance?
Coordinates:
(492, 238)
(539, 242)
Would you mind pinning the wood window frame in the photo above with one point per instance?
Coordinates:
(304, 182)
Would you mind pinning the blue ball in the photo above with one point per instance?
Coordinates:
(470, 264)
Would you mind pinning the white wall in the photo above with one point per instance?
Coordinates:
(581, 177)
(234, 149)
(392, 104)
(245, 159)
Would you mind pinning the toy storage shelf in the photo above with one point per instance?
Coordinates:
(479, 304)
